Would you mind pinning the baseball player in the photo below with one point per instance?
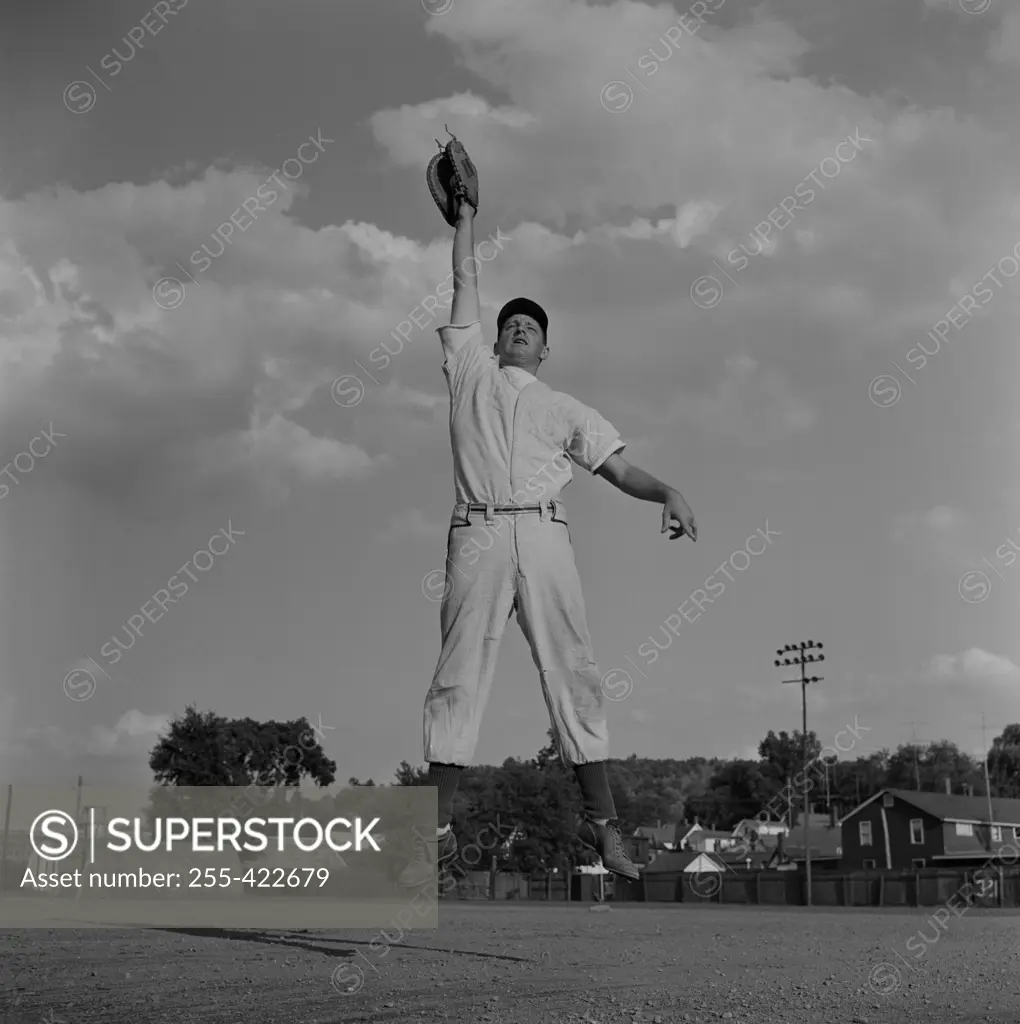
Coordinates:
(513, 439)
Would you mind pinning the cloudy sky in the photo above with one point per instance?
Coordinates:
(743, 228)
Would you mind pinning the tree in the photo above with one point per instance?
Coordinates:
(205, 749)
(1004, 763)
(544, 804)
(408, 776)
(549, 808)
(478, 818)
(784, 754)
(200, 750)
(930, 765)
(861, 779)
(735, 792)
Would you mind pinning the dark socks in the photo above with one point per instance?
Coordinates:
(595, 792)
(446, 778)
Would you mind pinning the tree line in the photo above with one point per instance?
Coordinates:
(538, 799)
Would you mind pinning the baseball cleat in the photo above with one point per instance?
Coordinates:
(427, 859)
(607, 842)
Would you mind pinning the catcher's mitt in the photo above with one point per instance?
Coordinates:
(452, 177)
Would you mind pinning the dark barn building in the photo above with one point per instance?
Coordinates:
(900, 829)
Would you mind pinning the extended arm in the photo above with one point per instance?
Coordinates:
(466, 308)
(636, 483)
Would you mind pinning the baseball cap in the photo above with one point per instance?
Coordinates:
(528, 308)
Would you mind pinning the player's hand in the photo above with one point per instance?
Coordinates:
(677, 509)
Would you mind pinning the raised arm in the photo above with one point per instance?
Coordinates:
(466, 308)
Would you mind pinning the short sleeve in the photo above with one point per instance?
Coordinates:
(466, 355)
(455, 338)
(592, 438)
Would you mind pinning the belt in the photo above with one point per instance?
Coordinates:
(542, 509)
(507, 510)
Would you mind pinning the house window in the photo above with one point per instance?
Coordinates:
(996, 834)
(917, 831)
(887, 800)
(963, 829)
(869, 865)
(917, 862)
(864, 830)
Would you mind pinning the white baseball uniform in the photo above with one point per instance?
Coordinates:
(513, 439)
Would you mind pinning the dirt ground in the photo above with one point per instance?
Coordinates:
(530, 964)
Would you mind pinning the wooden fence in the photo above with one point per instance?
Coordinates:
(981, 887)
(993, 887)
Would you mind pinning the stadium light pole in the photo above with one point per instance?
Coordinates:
(988, 780)
(796, 654)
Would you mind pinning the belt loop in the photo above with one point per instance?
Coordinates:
(489, 515)
(543, 507)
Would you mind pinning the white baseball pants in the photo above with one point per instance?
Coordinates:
(496, 563)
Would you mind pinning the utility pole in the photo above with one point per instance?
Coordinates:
(7, 831)
(913, 747)
(988, 781)
(802, 658)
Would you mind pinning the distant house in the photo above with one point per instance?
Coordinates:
(685, 834)
(743, 859)
(639, 849)
(706, 838)
(900, 829)
(763, 828)
(756, 832)
(824, 841)
(688, 862)
(710, 840)
(682, 875)
(660, 837)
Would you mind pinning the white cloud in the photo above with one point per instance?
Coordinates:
(692, 220)
(178, 397)
(133, 735)
(229, 381)
(975, 666)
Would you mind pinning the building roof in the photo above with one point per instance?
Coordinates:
(658, 834)
(684, 860)
(758, 858)
(752, 824)
(766, 843)
(824, 843)
(952, 808)
(818, 820)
